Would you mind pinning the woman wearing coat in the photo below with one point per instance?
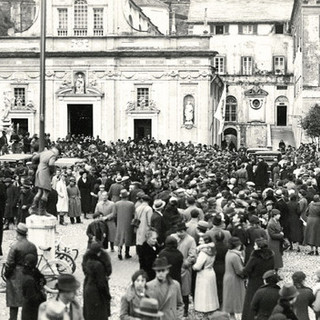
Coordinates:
(32, 288)
(312, 235)
(260, 261)
(97, 268)
(63, 200)
(233, 281)
(131, 299)
(275, 238)
(74, 201)
(206, 295)
(295, 224)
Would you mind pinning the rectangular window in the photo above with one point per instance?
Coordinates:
(219, 64)
(279, 65)
(219, 29)
(19, 96)
(98, 22)
(248, 29)
(80, 18)
(247, 66)
(63, 22)
(143, 97)
(279, 29)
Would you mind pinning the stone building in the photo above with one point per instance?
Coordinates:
(305, 30)
(110, 72)
(255, 60)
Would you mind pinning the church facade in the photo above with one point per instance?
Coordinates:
(110, 72)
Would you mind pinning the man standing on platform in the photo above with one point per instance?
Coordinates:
(45, 169)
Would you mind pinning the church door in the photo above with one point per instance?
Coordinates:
(281, 115)
(142, 128)
(80, 119)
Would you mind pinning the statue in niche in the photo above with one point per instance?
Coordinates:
(19, 102)
(189, 110)
(80, 84)
(8, 104)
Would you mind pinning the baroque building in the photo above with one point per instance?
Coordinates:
(110, 71)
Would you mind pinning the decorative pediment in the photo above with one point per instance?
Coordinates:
(255, 91)
(134, 107)
(70, 91)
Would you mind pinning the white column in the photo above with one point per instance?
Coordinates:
(41, 232)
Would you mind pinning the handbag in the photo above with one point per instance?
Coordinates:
(135, 223)
(285, 244)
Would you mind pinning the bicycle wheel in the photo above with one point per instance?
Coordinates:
(52, 269)
(67, 258)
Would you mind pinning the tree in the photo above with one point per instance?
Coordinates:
(311, 122)
(5, 23)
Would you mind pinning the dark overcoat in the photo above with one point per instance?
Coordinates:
(264, 301)
(282, 206)
(33, 294)
(147, 255)
(259, 262)
(96, 295)
(304, 300)
(253, 233)
(14, 264)
(275, 239)
(124, 213)
(85, 189)
(175, 258)
(295, 224)
(11, 209)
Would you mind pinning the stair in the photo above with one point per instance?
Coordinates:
(284, 133)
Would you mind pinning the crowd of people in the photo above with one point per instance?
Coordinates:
(209, 225)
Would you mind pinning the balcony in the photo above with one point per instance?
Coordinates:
(62, 32)
(98, 32)
(80, 32)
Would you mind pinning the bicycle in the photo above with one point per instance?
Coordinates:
(51, 269)
(67, 254)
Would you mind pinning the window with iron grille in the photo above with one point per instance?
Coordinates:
(80, 17)
(63, 22)
(279, 65)
(98, 21)
(247, 65)
(219, 64)
(19, 96)
(231, 109)
(142, 97)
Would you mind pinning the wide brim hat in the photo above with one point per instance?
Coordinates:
(149, 307)
(202, 226)
(67, 283)
(158, 204)
(22, 229)
(278, 193)
(54, 310)
(288, 291)
(161, 263)
(269, 202)
(217, 220)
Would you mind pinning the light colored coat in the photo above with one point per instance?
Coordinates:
(206, 295)
(233, 284)
(144, 213)
(108, 211)
(172, 306)
(187, 246)
(63, 199)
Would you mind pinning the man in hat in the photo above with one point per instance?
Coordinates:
(14, 269)
(282, 206)
(45, 169)
(124, 213)
(218, 226)
(266, 297)
(67, 286)
(191, 205)
(157, 220)
(115, 188)
(187, 246)
(25, 200)
(166, 291)
(149, 309)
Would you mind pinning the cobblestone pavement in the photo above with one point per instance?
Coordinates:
(75, 237)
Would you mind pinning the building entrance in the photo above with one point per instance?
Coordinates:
(80, 119)
(20, 126)
(142, 128)
(281, 115)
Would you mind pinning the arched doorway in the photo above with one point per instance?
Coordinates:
(230, 139)
(281, 105)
